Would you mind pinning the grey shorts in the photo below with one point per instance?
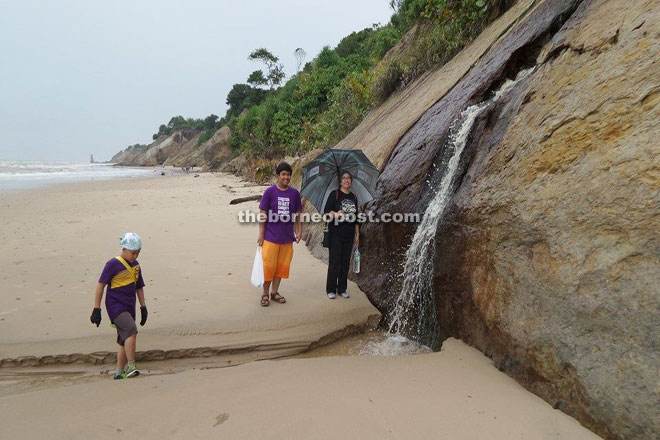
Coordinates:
(125, 327)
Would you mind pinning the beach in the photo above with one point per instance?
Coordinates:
(206, 347)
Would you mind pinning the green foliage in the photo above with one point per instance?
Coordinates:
(136, 147)
(349, 103)
(444, 28)
(352, 43)
(277, 125)
(210, 123)
(257, 78)
(206, 135)
(242, 96)
(275, 73)
(321, 104)
(382, 40)
(370, 43)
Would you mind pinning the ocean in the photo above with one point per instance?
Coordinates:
(21, 174)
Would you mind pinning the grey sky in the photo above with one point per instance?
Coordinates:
(92, 76)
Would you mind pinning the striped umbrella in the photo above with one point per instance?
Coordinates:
(321, 176)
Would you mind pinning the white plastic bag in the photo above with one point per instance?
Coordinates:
(257, 278)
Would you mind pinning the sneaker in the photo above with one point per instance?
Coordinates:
(344, 295)
(332, 295)
(119, 376)
(132, 371)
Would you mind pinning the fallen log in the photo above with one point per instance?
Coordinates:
(244, 199)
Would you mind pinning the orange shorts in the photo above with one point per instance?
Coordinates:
(277, 259)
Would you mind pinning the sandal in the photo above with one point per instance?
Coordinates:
(275, 296)
(264, 301)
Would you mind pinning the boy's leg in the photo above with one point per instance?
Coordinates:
(127, 336)
(129, 348)
(121, 358)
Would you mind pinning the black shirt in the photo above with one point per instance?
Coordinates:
(339, 201)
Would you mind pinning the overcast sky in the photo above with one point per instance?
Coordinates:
(93, 76)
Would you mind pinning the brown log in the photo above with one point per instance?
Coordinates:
(244, 199)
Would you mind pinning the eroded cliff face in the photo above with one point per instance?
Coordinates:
(547, 257)
(182, 148)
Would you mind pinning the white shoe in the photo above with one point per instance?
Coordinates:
(332, 295)
(344, 295)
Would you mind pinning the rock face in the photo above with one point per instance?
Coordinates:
(182, 148)
(548, 254)
(211, 154)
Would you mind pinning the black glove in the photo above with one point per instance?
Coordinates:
(144, 313)
(96, 316)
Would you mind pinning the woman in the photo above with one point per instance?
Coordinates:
(344, 232)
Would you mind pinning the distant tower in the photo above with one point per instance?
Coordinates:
(91, 160)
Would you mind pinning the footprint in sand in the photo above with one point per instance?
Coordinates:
(220, 419)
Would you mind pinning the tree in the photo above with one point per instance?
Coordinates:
(176, 122)
(242, 96)
(257, 79)
(275, 73)
(209, 121)
(300, 55)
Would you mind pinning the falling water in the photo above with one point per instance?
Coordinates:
(413, 315)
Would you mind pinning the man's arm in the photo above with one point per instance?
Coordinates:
(298, 226)
(262, 227)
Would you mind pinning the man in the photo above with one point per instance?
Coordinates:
(279, 226)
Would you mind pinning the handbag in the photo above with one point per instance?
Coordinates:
(326, 232)
(326, 237)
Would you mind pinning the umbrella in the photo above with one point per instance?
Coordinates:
(321, 176)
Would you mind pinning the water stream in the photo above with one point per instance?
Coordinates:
(413, 317)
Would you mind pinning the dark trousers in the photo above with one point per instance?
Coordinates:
(338, 264)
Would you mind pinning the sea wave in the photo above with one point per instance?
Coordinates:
(27, 174)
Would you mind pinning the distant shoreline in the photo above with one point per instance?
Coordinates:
(26, 175)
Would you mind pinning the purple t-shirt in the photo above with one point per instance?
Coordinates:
(122, 287)
(280, 206)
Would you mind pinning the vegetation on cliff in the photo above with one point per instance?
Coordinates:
(323, 102)
(320, 105)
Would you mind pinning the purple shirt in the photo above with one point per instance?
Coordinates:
(122, 289)
(280, 207)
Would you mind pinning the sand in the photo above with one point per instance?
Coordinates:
(196, 261)
(454, 394)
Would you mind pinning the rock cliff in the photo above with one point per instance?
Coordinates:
(547, 254)
(182, 148)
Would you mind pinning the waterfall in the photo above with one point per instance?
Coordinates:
(414, 315)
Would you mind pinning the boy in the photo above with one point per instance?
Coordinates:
(123, 277)
(279, 205)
